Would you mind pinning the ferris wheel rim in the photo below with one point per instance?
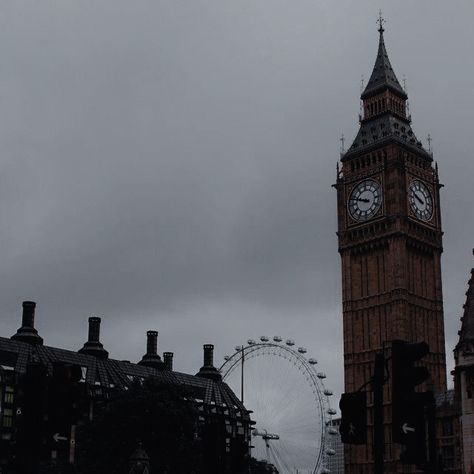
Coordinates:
(255, 349)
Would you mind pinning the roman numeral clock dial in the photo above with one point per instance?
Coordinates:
(365, 200)
(421, 201)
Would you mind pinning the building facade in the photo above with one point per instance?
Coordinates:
(219, 414)
(464, 380)
(448, 432)
(336, 462)
(390, 243)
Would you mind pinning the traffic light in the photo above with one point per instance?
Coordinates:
(62, 404)
(31, 412)
(408, 406)
(353, 428)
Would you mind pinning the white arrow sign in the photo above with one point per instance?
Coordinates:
(406, 428)
(57, 437)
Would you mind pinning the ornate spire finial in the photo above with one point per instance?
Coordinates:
(342, 140)
(429, 139)
(381, 22)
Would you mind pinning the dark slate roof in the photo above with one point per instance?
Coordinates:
(110, 373)
(466, 334)
(383, 76)
(386, 126)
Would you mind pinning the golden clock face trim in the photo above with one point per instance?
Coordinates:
(421, 200)
(365, 200)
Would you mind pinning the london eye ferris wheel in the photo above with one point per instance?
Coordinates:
(289, 403)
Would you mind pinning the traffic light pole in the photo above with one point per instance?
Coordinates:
(433, 465)
(379, 440)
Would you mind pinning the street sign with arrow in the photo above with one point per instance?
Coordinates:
(57, 437)
(411, 431)
(406, 428)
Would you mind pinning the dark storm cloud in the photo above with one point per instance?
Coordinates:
(169, 164)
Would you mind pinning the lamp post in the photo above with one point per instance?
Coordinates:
(139, 461)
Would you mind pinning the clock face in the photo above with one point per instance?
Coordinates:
(420, 200)
(365, 200)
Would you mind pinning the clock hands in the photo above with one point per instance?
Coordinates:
(419, 199)
(360, 200)
(365, 200)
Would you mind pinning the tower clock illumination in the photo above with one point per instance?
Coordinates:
(365, 200)
(420, 200)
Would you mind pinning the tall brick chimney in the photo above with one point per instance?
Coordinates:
(208, 370)
(151, 358)
(27, 332)
(93, 346)
(168, 360)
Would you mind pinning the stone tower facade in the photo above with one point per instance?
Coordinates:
(464, 379)
(390, 242)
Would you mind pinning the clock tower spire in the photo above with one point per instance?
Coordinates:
(390, 242)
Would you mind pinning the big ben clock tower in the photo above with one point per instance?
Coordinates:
(390, 242)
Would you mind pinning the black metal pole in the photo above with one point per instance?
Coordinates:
(433, 464)
(379, 441)
(242, 378)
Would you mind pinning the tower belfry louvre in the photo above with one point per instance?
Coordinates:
(390, 242)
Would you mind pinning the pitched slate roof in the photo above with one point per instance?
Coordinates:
(466, 334)
(386, 126)
(111, 373)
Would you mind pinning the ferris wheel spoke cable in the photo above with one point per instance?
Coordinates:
(289, 403)
(280, 400)
(298, 430)
(287, 398)
(281, 461)
(274, 458)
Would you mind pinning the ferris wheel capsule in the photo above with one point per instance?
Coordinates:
(302, 350)
(331, 411)
(333, 431)
(251, 342)
(238, 348)
(290, 342)
(321, 375)
(330, 452)
(277, 338)
(313, 361)
(327, 392)
(325, 471)
(264, 338)
(226, 358)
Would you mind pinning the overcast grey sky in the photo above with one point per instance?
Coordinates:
(168, 164)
